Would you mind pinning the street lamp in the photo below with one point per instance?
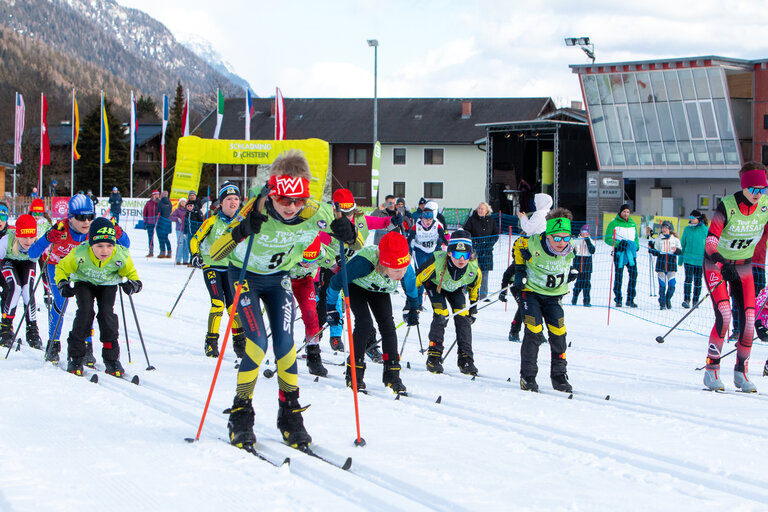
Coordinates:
(583, 43)
(375, 44)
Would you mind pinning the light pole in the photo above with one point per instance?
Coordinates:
(375, 44)
(583, 43)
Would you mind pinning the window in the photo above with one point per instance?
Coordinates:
(765, 122)
(398, 188)
(765, 155)
(357, 156)
(358, 189)
(433, 190)
(433, 157)
(398, 156)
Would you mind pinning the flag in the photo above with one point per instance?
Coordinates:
(45, 146)
(219, 113)
(279, 116)
(76, 126)
(134, 125)
(19, 129)
(104, 132)
(248, 114)
(165, 126)
(185, 118)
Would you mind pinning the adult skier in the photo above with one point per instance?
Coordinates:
(621, 233)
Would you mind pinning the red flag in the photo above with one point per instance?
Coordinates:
(185, 118)
(45, 146)
(279, 116)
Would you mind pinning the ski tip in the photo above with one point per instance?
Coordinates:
(408, 365)
(473, 378)
(570, 396)
(317, 379)
(135, 380)
(286, 462)
(509, 379)
(659, 339)
(94, 378)
(607, 397)
(439, 399)
(347, 464)
(569, 343)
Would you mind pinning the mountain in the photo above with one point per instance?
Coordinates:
(205, 50)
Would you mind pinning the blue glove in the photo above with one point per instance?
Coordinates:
(411, 316)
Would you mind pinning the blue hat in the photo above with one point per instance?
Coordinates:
(114, 189)
(80, 204)
(228, 189)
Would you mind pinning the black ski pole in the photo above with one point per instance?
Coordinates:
(180, 294)
(58, 325)
(138, 328)
(24, 318)
(408, 330)
(125, 325)
(660, 339)
(421, 346)
(457, 339)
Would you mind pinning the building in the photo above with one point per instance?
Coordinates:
(677, 129)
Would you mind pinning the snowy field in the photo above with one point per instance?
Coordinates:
(658, 443)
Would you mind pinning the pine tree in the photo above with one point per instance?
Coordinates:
(146, 109)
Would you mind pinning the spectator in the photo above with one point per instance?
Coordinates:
(33, 194)
(387, 209)
(417, 214)
(150, 214)
(52, 188)
(692, 258)
(525, 196)
(583, 249)
(115, 204)
(92, 197)
(485, 234)
(192, 222)
(403, 210)
(538, 221)
(198, 202)
(164, 225)
(621, 233)
(182, 243)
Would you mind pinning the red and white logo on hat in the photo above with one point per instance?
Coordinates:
(289, 186)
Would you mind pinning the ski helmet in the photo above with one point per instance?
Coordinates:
(80, 204)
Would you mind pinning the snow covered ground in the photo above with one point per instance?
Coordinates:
(659, 443)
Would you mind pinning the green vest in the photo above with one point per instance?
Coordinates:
(741, 232)
(547, 275)
(448, 283)
(9, 254)
(218, 228)
(374, 281)
(278, 247)
(105, 275)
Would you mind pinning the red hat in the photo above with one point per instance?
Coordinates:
(393, 251)
(26, 226)
(37, 206)
(155, 192)
(289, 186)
(345, 199)
(312, 252)
(754, 178)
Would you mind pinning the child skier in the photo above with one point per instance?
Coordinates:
(692, 257)
(508, 278)
(583, 250)
(92, 271)
(545, 265)
(445, 275)
(19, 275)
(373, 274)
(44, 223)
(666, 248)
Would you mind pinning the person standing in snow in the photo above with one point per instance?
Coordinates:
(666, 248)
(485, 234)
(150, 214)
(164, 225)
(621, 233)
(692, 257)
(115, 204)
(583, 250)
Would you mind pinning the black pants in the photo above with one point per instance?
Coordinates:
(693, 275)
(618, 276)
(19, 276)
(85, 293)
(536, 310)
(221, 291)
(323, 281)
(440, 313)
(364, 302)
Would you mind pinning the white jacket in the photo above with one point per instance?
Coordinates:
(538, 221)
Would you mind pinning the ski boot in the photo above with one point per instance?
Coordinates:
(740, 379)
(712, 379)
(734, 336)
(631, 303)
(359, 373)
(617, 302)
(238, 343)
(114, 368)
(391, 377)
(89, 360)
(289, 420)
(467, 365)
(435, 358)
(529, 384)
(75, 365)
(337, 344)
(314, 363)
(560, 383)
(6, 332)
(686, 304)
(240, 424)
(33, 336)
(212, 345)
(52, 351)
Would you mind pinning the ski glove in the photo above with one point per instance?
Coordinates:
(397, 220)
(57, 233)
(411, 316)
(729, 272)
(519, 277)
(503, 296)
(197, 261)
(251, 225)
(343, 230)
(761, 331)
(472, 314)
(573, 275)
(65, 290)
(333, 318)
(130, 287)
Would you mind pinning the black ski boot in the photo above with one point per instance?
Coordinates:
(33, 336)
(391, 377)
(238, 343)
(314, 363)
(240, 424)
(372, 348)
(212, 345)
(337, 344)
(631, 303)
(359, 373)
(75, 365)
(435, 358)
(52, 351)
(528, 384)
(560, 383)
(6, 332)
(289, 420)
(89, 360)
(114, 368)
(467, 365)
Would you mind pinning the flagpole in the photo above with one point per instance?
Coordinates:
(15, 163)
(40, 174)
(101, 145)
(72, 156)
(132, 132)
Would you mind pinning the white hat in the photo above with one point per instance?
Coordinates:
(431, 205)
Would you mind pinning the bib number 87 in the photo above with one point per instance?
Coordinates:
(555, 280)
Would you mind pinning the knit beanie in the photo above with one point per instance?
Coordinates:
(102, 230)
(37, 206)
(394, 251)
(228, 189)
(26, 226)
(623, 207)
(460, 241)
(312, 252)
(345, 199)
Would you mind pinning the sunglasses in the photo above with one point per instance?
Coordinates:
(460, 255)
(561, 238)
(3, 217)
(84, 217)
(757, 190)
(288, 201)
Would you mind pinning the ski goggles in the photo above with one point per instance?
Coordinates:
(3, 216)
(461, 255)
(82, 217)
(288, 201)
(757, 190)
(561, 238)
(36, 214)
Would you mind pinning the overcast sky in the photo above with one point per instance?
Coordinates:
(446, 48)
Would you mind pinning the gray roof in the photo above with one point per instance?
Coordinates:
(715, 60)
(400, 120)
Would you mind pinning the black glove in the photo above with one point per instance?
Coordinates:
(650, 244)
(65, 290)
(333, 318)
(411, 316)
(472, 314)
(197, 261)
(397, 220)
(729, 272)
(761, 331)
(343, 230)
(251, 225)
(130, 287)
(573, 275)
(503, 296)
(622, 245)
(519, 284)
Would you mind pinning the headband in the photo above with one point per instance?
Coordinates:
(558, 225)
(289, 186)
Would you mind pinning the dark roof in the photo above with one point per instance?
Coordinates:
(400, 120)
(148, 131)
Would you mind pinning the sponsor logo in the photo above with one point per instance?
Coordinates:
(118, 263)
(26, 232)
(764, 209)
(286, 283)
(404, 260)
(290, 186)
(361, 225)
(461, 247)
(322, 224)
(245, 301)
(288, 312)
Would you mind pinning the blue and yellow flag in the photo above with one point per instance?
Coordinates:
(104, 132)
